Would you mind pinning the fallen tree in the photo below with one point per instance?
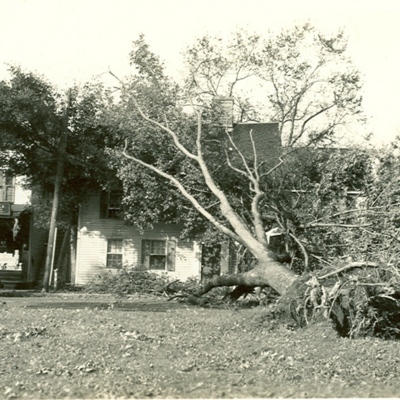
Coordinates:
(360, 298)
(187, 151)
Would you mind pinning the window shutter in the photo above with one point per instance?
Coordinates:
(104, 204)
(146, 253)
(171, 251)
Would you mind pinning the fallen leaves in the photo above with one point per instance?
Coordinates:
(86, 353)
(22, 333)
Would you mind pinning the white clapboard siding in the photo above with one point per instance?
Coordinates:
(93, 233)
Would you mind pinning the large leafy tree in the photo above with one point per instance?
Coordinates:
(191, 152)
(56, 141)
(300, 78)
(32, 115)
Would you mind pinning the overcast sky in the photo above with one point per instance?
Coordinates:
(74, 40)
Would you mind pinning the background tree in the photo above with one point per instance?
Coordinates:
(300, 78)
(32, 124)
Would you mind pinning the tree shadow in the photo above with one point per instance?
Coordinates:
(136, 306)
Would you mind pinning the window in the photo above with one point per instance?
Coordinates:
(7, 187)
(110, 203)
(159, 254)
(114, 253)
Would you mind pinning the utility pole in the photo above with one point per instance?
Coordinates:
(57, 196)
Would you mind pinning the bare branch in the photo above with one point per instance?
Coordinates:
(355, 264)
(256, 244)
(339, 214)
(384, 233)
(175, 138)
(274, 168)
(230, 165)
(255, 186)
(303, 250)
(321, 259)
(245, 164)
(185, 193)
(310, 118)
(335, 225)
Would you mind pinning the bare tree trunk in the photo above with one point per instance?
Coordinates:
(268, 272)
(73, 240)
(61, 262)
(56, 200)
(53, 218)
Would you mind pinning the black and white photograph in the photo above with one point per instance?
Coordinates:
(199, 199)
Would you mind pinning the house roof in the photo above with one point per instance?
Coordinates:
(266, 138)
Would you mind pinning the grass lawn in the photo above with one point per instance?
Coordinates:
(81, 346)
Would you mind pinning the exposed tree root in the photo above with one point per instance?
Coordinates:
(361, 298)
(359, 304)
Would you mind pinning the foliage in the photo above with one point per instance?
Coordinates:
(139, 280)
(320, 195)
(216, 69)
(358, 189)
(32, 114)
(345, 215)
(376, 306)
(380, 241)
(128, 280)
(31, 122)
(299, 77)
(361, 299)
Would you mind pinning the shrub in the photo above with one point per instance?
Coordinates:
(128, 280)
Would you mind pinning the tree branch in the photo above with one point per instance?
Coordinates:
(303, 250)
(355, 264)
(335, 225)
(185, 193)
(175, 138)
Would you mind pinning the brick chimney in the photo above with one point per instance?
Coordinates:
(224, 107)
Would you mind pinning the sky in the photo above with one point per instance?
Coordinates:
(72, 41)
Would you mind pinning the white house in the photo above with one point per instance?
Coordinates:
(105, 242)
